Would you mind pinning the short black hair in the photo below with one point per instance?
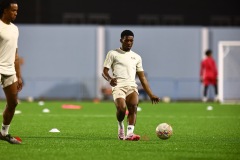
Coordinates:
(127, 33)
(5, 4)
(208, 52)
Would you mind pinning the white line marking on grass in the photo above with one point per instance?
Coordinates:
(143, 116)
(99, 116)
(70, 115)
(197, 117)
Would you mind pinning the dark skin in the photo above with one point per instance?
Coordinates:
(131, 100)
(11, 91)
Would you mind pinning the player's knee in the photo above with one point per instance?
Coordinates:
(121, 109)
(11, 108)
(13, 104)
(132, 108)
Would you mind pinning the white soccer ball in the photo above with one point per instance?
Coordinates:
(164, 131)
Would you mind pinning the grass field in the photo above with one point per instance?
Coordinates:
(91, 132)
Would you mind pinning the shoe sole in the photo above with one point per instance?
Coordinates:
(13, 141)
(134, 138)
(120, 138)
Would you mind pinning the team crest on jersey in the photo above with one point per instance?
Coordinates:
(133, 58)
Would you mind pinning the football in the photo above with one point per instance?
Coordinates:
(164, 131)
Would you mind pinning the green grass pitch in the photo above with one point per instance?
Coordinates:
(91, 132)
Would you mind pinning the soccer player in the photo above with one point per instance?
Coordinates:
(10, 74)
(125, 64)
(208, 74)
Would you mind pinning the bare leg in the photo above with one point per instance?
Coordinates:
(11, 97)
(121, 109)
(132, 102)
(12, 101)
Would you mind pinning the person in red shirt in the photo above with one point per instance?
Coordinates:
(208, 74)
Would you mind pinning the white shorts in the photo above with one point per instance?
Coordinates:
(7, 80)
(123, 92)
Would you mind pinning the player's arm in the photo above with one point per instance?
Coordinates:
(105, 74)
(18, 71)
(146, 87)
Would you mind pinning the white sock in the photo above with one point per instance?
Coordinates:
(120, 125)
(4, 129)
(130, 129)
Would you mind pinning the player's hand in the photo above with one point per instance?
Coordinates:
(113, 82)
(154, 99)
(19, 84)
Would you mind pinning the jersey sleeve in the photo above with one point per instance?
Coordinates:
(139, 66)
(17, 37)
(109, 60)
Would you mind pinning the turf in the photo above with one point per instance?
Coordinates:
(91, 132)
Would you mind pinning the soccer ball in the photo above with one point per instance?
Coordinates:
(164, 131)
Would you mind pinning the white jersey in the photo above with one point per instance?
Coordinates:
(124, 66)
(8, 44)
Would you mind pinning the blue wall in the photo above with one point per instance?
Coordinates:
(60, 61)
(170, 58)
(222, 34)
